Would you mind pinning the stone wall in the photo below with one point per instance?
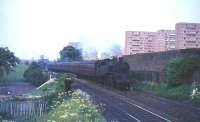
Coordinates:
(151, 66)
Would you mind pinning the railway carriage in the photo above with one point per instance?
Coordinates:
(112, 72)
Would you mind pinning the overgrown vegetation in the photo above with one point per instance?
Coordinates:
(180, 92)
(179, 83)
(179, 71)
(47, 89)
(68, 79)
(35, 75)
(64, 106)
(74, 109)
(4, 116)
(7, 61)
(16, 74)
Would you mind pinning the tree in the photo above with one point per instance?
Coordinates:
(43, 62)
(7, 61)
(179, 71)
(70, 53)
(35, 75)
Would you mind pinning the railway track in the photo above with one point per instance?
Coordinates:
(119, 108)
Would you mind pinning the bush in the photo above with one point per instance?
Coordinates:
(4, 116)
(181, 92)
(74, 109)
(179, 71)
(48, 88)
(68, 80)
(35, 75)
(62, 108)
(16, 74)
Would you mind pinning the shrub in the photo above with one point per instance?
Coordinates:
(68, 80)
(74, 109)
(181, 92)
(179, 71)
(4, 116)
(16, 74)
(35, 75)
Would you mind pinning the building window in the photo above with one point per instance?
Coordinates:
(191, 41)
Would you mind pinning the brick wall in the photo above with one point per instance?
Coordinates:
(150, 66)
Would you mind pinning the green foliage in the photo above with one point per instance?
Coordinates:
(7, 61)
(35, 75)
(16, 75)
(74, 109)
(70, 109)
(70, 53)
(48, 88)
(181, 92)
(68, 80)
(4, 116)
(60, 107)
(180, 71)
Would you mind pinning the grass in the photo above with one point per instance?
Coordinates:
(181, 92)
(67, 109)
(62, 108)
(16, 75)
(47, 89)
(70, 108)
(74, 109)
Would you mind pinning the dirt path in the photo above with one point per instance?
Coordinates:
(15, 88)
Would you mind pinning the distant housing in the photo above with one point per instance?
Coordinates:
(185, 35)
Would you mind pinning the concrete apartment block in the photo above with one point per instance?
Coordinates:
(165, 40)
(187, 35)
(139, 42)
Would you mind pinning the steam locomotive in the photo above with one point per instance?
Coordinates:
(111, 72)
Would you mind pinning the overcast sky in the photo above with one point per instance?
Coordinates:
(34, 27)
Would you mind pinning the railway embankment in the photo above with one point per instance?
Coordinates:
(49, 102)
(172, 74)
(138, 105)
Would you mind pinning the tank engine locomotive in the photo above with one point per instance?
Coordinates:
(112, 72)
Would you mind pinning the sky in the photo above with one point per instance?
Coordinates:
(31, 28)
